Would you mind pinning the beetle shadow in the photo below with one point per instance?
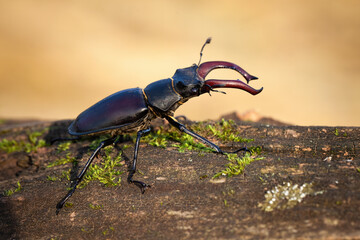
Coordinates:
(8, 222)
(57, 132)
(124, 156)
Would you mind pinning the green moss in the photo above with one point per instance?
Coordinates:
(107, 172)
(226, 131)
(85, 231)
(336, 132)
(66, 174)
(96, 207)
(62, 147)
(68, 205)
(96, 142)
(236, 165)
(107, 231)
(186, 142)
(31, 145)
(228, 193)
(257, 150)
(12, 191)
(226, 204)
(34, 141)
(157, 139)
(10, 146)
(62, 161)
(52, 178)
(163, 138)
(203, 177)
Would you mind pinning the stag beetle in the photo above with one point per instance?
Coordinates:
(132, 109)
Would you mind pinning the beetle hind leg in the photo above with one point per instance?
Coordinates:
(132, 170)
(104, 143)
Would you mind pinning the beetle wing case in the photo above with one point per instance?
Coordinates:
(161, 94)
(119, 110)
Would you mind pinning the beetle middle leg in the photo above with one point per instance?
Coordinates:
(182, 128)
(132, 171)
(103, 144)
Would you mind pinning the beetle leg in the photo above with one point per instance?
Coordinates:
(132, 171)
(104, 143)
(182, 128)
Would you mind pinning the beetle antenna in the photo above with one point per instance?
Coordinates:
(208, 40)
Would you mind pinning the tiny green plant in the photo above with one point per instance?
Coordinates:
(96, 206)
(236, 165)
(52, 178)
(223, 131)
(62, 147)
(95, 143)
(186, 142)
(35, 142)
(62, 161)
(69, 205)
(108, 230)
(226, 131)
(31, 145)
(183, 142)
(107, 172)
(157, 139)
(66, 174)
(10, 146)
(12, 191)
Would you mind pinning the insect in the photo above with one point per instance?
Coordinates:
(132, 110)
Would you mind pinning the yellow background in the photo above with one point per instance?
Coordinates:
(59, 57)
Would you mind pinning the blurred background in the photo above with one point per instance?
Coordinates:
(59, 57)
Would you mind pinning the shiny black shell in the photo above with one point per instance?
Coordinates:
(161, 94)
(117, 111)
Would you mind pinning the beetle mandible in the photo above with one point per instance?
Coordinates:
(132, 110)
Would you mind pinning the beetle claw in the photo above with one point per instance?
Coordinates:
(205, 68)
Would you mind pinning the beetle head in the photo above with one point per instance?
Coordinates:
(187, 82)
(190, 82)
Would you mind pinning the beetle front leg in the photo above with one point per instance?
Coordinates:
(182, 128)
(132, 171)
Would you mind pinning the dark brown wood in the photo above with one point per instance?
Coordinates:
(183, 203)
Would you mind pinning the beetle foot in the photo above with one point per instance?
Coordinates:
(141, 185)
(60, 205)
(242, 149)
(236, 151)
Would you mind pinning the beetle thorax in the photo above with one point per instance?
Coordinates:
(166, 95)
